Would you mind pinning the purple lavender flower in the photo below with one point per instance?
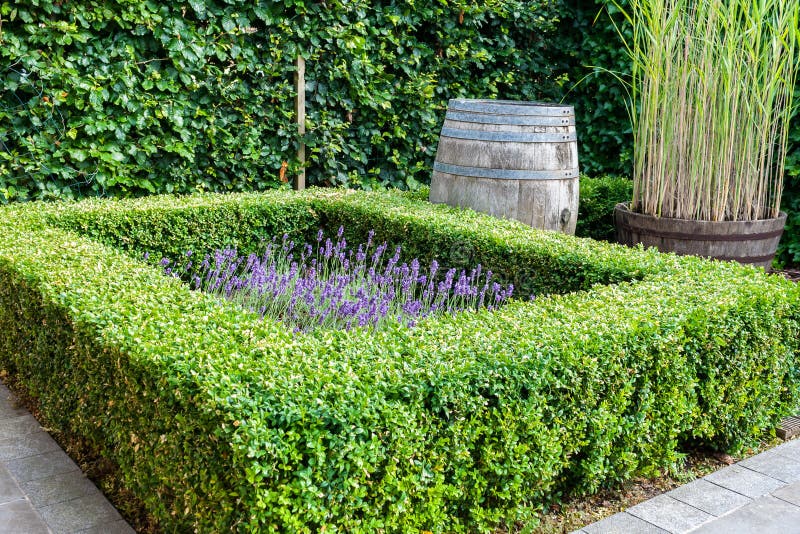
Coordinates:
(412, 308)
(446, 284)
(378, 253)
(392, 262)
(334, 286)
(462, 285)
(361, 255)
(407, 279)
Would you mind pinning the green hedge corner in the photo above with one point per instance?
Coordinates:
(220, 421)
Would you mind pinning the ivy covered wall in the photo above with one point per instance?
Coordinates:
(128, 97)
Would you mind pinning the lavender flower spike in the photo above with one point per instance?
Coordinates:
(334, 286)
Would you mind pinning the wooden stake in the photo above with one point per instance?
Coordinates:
(300, 115)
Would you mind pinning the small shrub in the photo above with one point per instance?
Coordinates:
(598, 196)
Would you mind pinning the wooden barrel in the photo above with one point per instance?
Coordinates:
(517, 160)
(753, 242)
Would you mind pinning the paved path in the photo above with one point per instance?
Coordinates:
(41, 488)
(758, 495)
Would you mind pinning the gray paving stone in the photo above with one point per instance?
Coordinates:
(744, 481)
(9, 489)
(5, 393)
(117, 527)
(790, 493)
(775, 465)
(623, 523)
(19, 517)
(41, 465)
(58, 488)
(79, 514)
(765, 514)
(670, 514)
(791, 448)
(9, 408)
(17, 426)
(26, 445)
(708, 497)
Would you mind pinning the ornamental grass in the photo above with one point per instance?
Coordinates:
(713, 80)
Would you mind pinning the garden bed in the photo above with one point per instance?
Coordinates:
(219, 420)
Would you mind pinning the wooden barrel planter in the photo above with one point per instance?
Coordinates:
(751, 242)
(517, 160)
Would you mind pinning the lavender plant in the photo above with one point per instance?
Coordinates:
(332, 285)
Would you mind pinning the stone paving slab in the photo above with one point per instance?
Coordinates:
(57, 488)
(790, 448)
(790, 493)
(9, 489)
(708, 497)
(19, 517)
(773, 464)
(41, 466)
(79, 514)
(115, 527)
(19, 425)
(27, 445)
(765, 514)
(744, 481)
(41, 489)
(670, 514)
(9, 408)
(752, 497)
(623, 523)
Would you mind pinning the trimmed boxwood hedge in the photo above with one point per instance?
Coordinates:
(220, 421)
